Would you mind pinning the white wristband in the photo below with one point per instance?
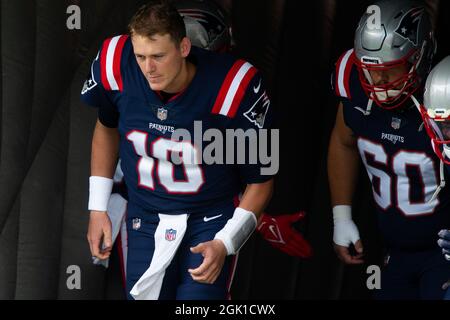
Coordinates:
(342, 212)
(237, 230)
(100, 189)
(345, 231)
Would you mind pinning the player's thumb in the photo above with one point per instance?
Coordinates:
(358, 246)
(354, 237)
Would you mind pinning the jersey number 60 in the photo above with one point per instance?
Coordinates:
(399, 164)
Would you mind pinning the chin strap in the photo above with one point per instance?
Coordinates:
(370, 103)
(441, 163)
(368, 108)
(420, 127)
(417, 104)
(442, 182)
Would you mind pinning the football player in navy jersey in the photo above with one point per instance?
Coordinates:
(378, 84)
(207, 26)
(435, 112)
(182, 222)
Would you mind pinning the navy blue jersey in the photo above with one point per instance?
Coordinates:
(225, 93)
(400, 162)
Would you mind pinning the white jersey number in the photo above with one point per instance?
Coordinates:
(400, 162)
(161, 152)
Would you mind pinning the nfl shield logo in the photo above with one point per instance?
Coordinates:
(162, 114)
(395, 123)
(171, 234)
(136, 224)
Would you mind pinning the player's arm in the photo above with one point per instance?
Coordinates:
(254, 113)
(256, 197)
(105, 146)
(343, 168)
(105, 149)
(343, 162)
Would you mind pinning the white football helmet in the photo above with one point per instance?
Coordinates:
(207, 24)
(402, 40)
(435, 109)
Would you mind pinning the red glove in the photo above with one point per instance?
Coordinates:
(280, 233)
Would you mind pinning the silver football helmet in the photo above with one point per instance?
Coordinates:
(207, 24)
(435, 109)
(401, 40)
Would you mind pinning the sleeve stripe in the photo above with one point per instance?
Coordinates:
(226, 84)
(110, 63)
(241, 91)
(117, 61)
(348, 70)
(103, 65)
(343, 75)
(233, 88)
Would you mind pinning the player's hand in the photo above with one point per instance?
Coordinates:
(280, 233)
(214, 254)
(99, 234)
(444, 243)
(345, 234)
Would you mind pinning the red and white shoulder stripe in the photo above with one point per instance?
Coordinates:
(233, 88)
(110, 58)
(343, 70)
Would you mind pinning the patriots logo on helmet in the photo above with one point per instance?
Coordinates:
(409, 25)
(203, 27)
(257, 113)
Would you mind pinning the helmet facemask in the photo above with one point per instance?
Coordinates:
(437, 124)
(393, 94)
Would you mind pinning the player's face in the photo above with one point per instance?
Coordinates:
(162, 62)
(444, 127)
(380, 77)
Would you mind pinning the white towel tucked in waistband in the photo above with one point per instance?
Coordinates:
(168, 236)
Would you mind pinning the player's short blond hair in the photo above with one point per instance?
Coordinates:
(158, 17)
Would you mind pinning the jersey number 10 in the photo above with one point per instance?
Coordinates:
(159, 157)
